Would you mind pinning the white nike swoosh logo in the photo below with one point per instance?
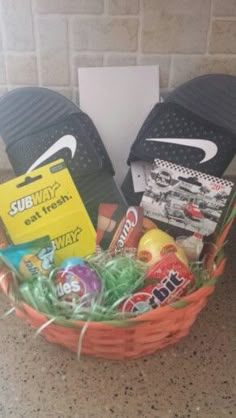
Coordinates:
(209, 147)
(66, 141)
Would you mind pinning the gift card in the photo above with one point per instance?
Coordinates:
(185, 198)
(46, 202)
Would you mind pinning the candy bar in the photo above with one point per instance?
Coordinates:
(119, 227)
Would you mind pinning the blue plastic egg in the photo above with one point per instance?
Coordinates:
(72, 262)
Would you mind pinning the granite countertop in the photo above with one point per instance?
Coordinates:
(193, 379)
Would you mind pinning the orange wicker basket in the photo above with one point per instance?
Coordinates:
(144, 334)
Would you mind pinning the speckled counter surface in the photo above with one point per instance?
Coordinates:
(194, 379)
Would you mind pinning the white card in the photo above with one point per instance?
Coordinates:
(140, 171)
(118, 100)
(185, 198)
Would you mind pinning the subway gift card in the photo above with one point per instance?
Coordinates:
(46, 202)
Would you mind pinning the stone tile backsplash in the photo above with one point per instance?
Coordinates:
(17, 25)
(42, 42)
(175, 26)
(223, 37)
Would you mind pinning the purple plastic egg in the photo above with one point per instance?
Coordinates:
(77, 282)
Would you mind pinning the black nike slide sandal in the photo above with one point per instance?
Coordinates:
(211, 96)
(183, 136)
(39, 126)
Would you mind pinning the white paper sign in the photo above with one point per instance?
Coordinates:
(118, 100)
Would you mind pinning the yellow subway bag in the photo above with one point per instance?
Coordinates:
(46, 202)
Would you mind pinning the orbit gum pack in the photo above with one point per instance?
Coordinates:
(46, 201)
(171, 279)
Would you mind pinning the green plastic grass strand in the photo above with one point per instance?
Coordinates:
(201, 275)
(179, 304)
(220, 254)
(9, 312)
(230, 213)
(45, 325)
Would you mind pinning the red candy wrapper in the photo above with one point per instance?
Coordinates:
(171, 277)
(119, 227)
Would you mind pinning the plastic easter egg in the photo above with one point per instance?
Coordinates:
(72, 262)
(77, 282)
(156, 243)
